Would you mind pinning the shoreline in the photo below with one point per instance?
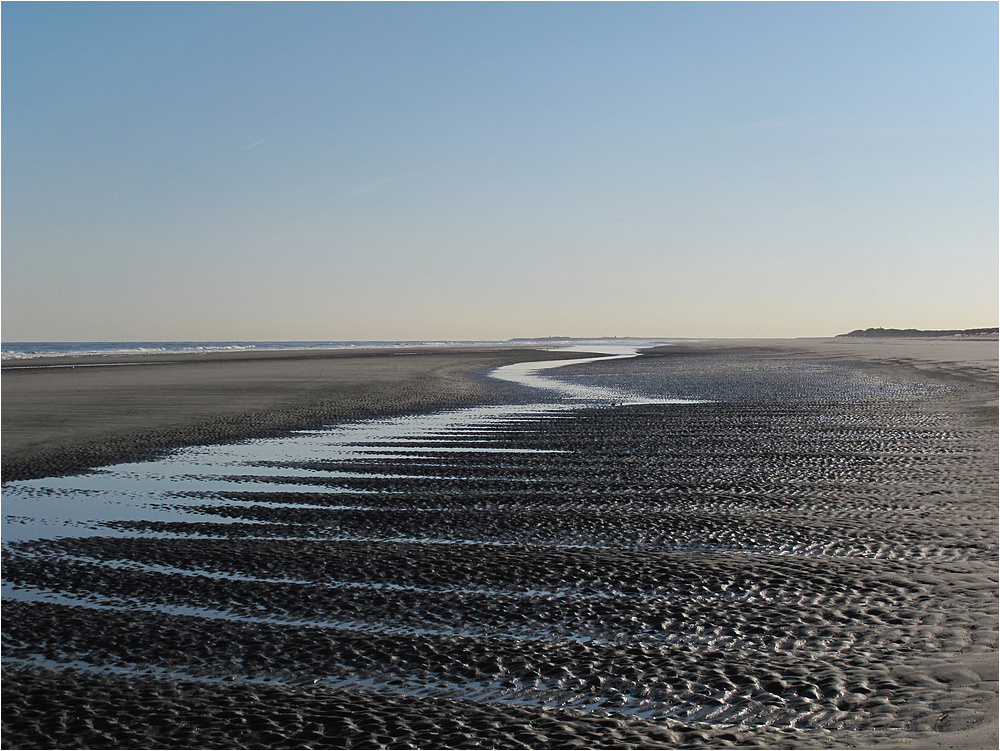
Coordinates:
(89, 411)
(67, 417)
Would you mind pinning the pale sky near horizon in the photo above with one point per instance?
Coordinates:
(341, 171)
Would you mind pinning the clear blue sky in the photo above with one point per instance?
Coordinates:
(475, 171)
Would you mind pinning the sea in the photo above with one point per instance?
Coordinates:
(23, 350)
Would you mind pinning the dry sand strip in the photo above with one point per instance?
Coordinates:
(69, 414)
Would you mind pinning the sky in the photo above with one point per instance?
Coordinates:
(480, 171)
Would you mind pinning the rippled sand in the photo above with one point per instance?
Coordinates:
(805, 558)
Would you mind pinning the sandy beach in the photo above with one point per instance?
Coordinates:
(68, 414)
(802, 556)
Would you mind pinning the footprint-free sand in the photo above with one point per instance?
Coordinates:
(67, 414)
(804, 557)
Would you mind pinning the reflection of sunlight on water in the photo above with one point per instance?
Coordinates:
(174, 489)
(534, 375)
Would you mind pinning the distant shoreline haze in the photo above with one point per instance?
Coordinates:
(17, 350)
(895, 333)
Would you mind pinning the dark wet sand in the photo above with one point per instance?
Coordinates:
(808, 562)
(67, 414)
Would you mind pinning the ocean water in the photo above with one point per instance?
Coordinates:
(22, 350)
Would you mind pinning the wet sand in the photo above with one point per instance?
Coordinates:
(68, 414)
(807, 561)
(970, 362)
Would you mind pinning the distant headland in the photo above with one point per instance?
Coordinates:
(886, 333)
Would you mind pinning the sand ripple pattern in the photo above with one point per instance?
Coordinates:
(797, 559)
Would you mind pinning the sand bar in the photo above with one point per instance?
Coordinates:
(67, 414)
